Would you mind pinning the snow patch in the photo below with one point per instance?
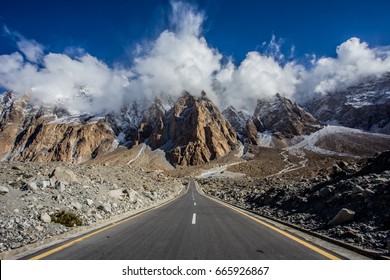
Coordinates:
(309, 141)
(265, 139)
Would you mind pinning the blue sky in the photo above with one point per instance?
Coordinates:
(237, 51)
(110, 29)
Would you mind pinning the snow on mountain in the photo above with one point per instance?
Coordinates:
(364, 106)
(342, 141)
(238, 120)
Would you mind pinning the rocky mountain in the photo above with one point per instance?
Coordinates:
(273, 120)
(29, 133)
(237, 120)
(284, 118)
(364, 106)
(192, 132)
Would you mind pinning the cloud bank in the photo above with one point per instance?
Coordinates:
(180, 59)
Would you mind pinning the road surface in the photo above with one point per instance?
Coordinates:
(191, 227)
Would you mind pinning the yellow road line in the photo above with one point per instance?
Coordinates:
(66, 245)
(300, 241)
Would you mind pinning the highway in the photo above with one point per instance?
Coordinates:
(191, 227)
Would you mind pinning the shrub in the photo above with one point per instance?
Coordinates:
(67, 219)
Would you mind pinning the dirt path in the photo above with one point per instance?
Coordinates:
(290, 166)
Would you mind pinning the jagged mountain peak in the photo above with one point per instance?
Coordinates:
(284, 118)
(237, 119)
(191, 133)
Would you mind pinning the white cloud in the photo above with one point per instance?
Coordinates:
(354, 61)
(185, 19)
(176, 62)
(180, 59)
(61, 78)
(257, 77)
(31, 49)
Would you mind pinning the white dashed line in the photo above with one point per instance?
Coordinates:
(194, 203)
(194, 218)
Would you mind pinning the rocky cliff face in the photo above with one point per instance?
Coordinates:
(192, 132)
(284, 118)
(238, 120)
(364, 106)
(29, 133)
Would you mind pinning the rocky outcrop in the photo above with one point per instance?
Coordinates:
(343, 216)
(251, 132)
(377, 165)
(364, 106)
(284, 118)
(29, 133)
(238, 120)
(192, 132)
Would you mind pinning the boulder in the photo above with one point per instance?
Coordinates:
(45, 184)
(63, 174)
(60, 186)
(76, 205)
(325, 191)
(132, 194)
(116, 194)
(45, 218)
(106, 207)
(357, 189)
(343, 216)
(4, 190)
(32, 186)
(89, 202)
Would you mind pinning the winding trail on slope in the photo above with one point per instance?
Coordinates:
(290, 166)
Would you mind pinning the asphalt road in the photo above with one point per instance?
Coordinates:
(191, 227)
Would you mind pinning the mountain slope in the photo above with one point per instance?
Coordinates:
(29, 133)
(364, 106)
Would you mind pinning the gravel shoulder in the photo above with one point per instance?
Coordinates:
(32, 194)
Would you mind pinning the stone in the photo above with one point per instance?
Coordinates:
(325, 192)
(32, 186)
(117, 194)
(105, 207)
(45, 184)
(343, 216)
(60, 186)
(76, 205)
(63, 174)
(89, 202)
(45, 218)
(4, 190)
(369, 192)
(39, 228)
(133, 195)
(357, 189)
